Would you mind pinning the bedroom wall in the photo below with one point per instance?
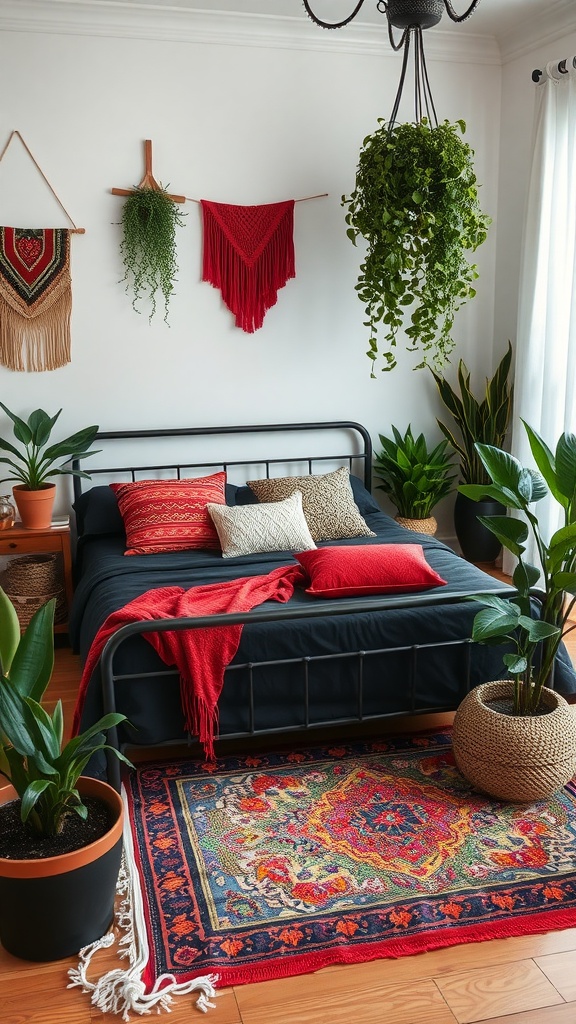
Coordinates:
(239, 111)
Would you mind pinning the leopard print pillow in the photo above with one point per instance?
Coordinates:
(327, 500)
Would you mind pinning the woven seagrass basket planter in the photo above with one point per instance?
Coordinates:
(511, 757)
(428, 526)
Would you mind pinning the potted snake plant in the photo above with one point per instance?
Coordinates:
(60, 832)
(477, 420)
(516, 738)
(414, 477)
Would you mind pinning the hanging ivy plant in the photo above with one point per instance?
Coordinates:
(415, 202)
(148, 248)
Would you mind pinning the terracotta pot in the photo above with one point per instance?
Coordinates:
(35, 507)
(520, 758)
(428, 526)
(51, 907)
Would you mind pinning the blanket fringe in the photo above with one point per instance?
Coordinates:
(123, 991)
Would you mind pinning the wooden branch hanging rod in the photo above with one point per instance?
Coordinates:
(148, 181)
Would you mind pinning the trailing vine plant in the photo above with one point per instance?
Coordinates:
(148, 248)
(415, 203)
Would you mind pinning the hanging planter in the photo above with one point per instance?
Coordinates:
(149, 220)
(415, 202)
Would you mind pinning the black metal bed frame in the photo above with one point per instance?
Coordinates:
(110, 678)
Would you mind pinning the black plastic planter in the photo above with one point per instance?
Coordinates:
(50, 908)
(477, 543)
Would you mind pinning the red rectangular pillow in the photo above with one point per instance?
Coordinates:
(169, 515)
(372, 569)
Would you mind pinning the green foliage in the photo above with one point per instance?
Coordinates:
(43, 770)
(34, 463)
(415, 202)
(518, 488)
(483, 420)
(414, 478)
(148, 248)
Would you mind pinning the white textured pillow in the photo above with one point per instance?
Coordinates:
(269, 526)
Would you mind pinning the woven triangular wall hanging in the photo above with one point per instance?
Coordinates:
(35, 291)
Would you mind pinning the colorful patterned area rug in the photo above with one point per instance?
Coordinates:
(279, 864)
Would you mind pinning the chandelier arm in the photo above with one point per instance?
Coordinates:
(334, 24)
(460, 17)
(407, 37)
(395, 46)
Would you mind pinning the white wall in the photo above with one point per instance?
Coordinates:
(245, 121)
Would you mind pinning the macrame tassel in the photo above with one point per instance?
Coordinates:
(39, 344)
(248, 253)
(123, 991)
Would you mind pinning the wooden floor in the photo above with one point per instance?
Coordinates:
(525, 980)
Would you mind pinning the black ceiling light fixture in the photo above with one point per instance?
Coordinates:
(411, 17)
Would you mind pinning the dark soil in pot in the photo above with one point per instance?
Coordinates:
(18, 841)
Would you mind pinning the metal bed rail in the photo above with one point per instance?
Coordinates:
(110, 679)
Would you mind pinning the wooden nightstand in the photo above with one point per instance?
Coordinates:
(19, 541)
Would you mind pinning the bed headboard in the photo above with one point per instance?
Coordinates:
(354, 449)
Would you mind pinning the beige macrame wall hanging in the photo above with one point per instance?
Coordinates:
(35, 291)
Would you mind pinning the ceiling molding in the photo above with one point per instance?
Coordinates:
(141, 20)
(556, 21)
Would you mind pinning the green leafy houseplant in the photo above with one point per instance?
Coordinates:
(517, 488)
(483, 420)
(414, 478)
(415, 203)
(34, 463)
(148, 248)
(43, 770)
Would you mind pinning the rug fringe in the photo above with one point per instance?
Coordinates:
(123, 991)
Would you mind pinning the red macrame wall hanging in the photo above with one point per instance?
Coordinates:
(248, 253)
(35, 292)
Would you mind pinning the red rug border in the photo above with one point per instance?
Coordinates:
(388, 949)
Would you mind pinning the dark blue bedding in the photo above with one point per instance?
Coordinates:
(108, 580)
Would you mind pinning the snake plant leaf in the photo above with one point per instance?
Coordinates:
(9, 632)
(33, 662)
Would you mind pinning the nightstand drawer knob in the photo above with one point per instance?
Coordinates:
(13, 545)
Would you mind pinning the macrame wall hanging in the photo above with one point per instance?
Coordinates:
(35, 291)
(248, 253)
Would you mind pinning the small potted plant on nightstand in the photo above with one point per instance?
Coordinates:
(60, 833)
(35, 463)
(414, 477)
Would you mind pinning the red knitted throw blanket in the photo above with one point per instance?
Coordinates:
(248, 254)
(200, 655)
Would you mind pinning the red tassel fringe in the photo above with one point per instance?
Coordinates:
(248, 254)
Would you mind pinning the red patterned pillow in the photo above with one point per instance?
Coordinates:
(169, 515)
(374, 569)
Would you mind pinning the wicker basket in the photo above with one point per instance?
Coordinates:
(30, 581)
(428, 526)
(512, 757)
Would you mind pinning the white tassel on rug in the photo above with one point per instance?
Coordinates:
(123, 991)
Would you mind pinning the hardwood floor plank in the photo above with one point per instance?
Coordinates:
(329, 996)
(24, 1004)
(509, 988)
(561, 1014)
(559, 968)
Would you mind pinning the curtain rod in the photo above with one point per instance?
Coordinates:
(555, 69)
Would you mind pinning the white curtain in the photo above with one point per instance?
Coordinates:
(545, 381)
